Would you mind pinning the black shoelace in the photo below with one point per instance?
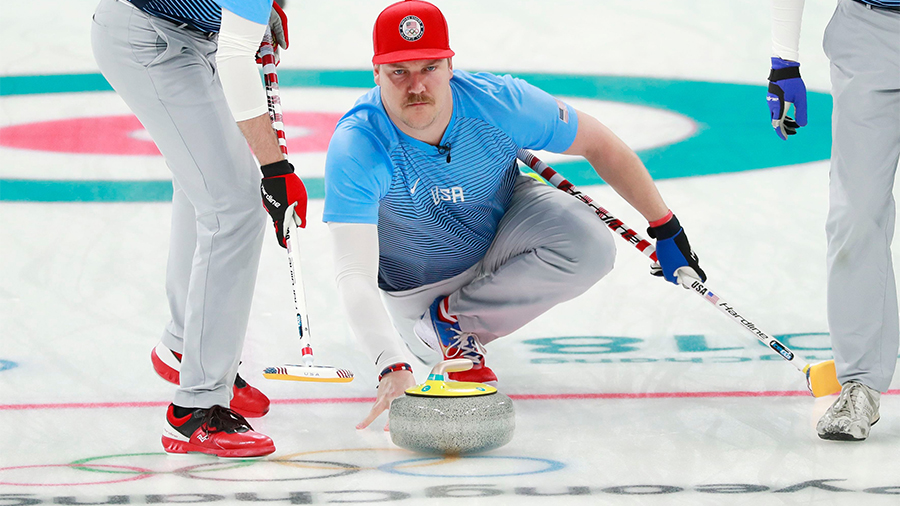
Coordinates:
(219, 419)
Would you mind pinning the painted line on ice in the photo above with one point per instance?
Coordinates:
(517, 397)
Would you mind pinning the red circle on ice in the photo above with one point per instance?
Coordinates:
(307, 132)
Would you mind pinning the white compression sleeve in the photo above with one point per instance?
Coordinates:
(239, 40)
(786, 17)
(355, 247)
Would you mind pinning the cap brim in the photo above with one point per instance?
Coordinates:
(412, 54)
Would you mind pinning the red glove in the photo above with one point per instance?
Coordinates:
(280, 188)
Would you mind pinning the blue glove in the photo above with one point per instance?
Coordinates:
(786, 87)
(673, 251)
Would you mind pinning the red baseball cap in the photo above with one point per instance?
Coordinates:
(410, 30)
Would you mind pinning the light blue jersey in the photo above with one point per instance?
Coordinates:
(437, 208)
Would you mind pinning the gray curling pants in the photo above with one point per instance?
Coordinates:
(549, 248)
(167, 77)
(864, 48)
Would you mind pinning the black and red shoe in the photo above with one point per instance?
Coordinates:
(247, 400)
(216, 431)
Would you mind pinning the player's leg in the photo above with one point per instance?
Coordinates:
(182, 243)
(167, 77)
(406, 309)
(167, 355)
(862, 299)
(549, 248)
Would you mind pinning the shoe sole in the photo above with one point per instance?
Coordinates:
(843, 436)
(493, 383)
(840, 436)
(176, 447)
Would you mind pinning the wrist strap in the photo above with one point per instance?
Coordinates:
(401, 366)
(279, 168)
(663, 220)
(666, 230)
(784, 73)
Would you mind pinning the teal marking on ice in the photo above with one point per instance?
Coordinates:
(55, 83)
(733, 132)
(36, 190)
(697, 343)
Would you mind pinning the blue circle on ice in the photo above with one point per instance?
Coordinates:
(549, 466)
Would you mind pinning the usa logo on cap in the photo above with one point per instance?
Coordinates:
(412, 28)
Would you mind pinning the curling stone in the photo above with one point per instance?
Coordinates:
(451, 417)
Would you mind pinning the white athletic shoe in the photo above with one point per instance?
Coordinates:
(852, 415)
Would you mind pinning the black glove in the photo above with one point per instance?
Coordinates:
(280, 188)
(673, 251)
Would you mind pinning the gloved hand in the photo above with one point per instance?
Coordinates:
(673, 252)
(786, 87)
(280, 188)
(278, 27)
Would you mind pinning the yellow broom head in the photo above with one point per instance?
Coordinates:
(822, 379)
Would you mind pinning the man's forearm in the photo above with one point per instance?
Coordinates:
(355, 249)
(262, 139)
(618, 166)
(786, 18)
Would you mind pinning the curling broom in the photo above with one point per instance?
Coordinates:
(306, 371)
(821, 378)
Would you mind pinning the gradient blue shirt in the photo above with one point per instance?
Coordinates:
(437, 214)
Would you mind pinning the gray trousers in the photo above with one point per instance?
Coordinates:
(549, 248)
(167, 77)
(864, 48)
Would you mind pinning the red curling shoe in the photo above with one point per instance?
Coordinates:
(216, 431)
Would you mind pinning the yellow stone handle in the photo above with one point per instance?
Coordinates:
(454, 365)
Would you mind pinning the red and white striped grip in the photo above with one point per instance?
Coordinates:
(557, 180)
(270, 76)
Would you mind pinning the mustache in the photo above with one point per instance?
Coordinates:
(419, 99)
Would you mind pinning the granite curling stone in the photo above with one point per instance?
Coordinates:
(451, 417)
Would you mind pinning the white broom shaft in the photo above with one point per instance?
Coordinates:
(270, 77)
(294, 263)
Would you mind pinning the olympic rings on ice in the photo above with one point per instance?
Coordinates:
(293, 467)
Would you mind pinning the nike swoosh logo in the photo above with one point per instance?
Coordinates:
(412, 191)
(378, 358)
